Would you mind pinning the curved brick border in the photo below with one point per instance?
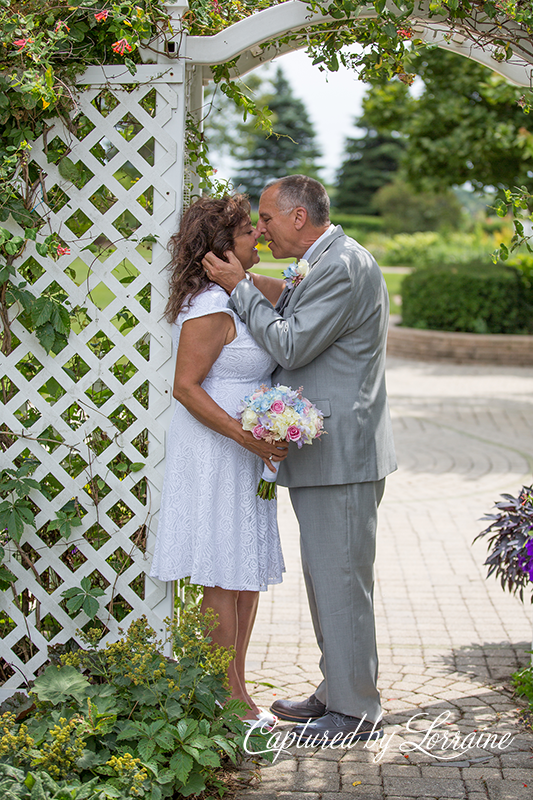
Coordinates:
(459, 348)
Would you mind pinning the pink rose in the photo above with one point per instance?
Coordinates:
(277, 407)
(259, 432)
(293, 433)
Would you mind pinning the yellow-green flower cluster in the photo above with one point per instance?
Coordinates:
(59, 756)
(130, 770)
(191, 636)
(134, 655)
(71, 660)
(14, 742)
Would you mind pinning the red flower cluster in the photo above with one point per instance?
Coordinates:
(405, 33)
(121, 46)
(60, 24)
(21, 43)
(63, 251)
(102, 15)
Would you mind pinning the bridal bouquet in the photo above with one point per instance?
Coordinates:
(280, 414)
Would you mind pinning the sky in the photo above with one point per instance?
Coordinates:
(332, 100)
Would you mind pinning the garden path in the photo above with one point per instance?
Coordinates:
(448, 638)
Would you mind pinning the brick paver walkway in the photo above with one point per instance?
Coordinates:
(448, 638)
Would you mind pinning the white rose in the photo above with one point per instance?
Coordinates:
(303, 267)
(248, 419)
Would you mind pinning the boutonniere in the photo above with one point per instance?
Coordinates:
(296, 272)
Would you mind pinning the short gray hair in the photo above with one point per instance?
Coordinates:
(301, 191)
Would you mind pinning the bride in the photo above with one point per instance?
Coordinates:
(212, 526)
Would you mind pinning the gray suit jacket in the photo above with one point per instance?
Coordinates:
(328, 335)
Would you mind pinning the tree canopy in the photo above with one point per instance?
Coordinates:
(465, 125)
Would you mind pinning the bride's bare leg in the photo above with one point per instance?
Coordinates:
(224, 602)
(246, 613)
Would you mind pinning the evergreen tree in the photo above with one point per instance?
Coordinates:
(371, 162)
(290, 150)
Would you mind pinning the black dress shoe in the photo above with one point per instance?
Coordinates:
(338, 727)
(298, 710)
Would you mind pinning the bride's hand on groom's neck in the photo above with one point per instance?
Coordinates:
(226, 273)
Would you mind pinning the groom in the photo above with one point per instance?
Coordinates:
(328, 335)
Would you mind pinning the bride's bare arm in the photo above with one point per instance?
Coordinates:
(201, 342)
(269, 286)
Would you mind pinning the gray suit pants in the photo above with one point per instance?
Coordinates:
(337, 542)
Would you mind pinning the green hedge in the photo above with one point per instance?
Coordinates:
(358, 222)
(473, 298)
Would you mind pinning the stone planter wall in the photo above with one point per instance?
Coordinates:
(459, 348)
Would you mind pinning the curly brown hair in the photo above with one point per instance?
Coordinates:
(209, 224)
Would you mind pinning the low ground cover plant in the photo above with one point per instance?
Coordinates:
(123, 721)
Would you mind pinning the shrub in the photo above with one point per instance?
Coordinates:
(363, 223)
(510, 542)
(124, 721)
(474, 298)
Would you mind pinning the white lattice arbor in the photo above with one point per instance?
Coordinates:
(94, 414)
(93, 417)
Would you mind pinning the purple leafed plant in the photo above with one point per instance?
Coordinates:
(511, 542)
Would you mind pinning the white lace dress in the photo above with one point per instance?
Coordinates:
(212, 527)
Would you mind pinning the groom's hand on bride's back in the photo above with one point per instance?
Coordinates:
(226, 273)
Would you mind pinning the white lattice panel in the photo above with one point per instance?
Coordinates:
(102, 404)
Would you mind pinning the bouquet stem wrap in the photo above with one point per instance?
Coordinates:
(267, 484)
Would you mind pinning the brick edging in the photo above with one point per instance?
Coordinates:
(459, 348)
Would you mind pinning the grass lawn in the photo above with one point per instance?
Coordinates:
(268, 266)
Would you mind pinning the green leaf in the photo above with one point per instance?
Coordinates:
(56, 685)
(31, 233)
(68, 170)
(37, 790)
(12, 247)
(72, 592)
(181, 764)
(208, 758)
(15, 517)
(64, 523)
(194, 785)
(46, 336)
(186, 728)
(165, 776)
(131, 65)
(146, 748)
(136, 466)
(42, 249)
(75, 603)
(6, 578)
(205, 702)
(91, 606)
(41, 311)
